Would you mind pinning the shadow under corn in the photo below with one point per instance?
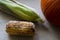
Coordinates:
(21, 37)
(7, 16)
(43, 26)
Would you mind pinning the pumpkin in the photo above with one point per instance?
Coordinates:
(51, 10)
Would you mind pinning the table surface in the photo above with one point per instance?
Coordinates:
(42, 33)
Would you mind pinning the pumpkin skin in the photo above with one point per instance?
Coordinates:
(51, 10)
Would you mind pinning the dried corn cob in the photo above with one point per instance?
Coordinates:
(20, 28)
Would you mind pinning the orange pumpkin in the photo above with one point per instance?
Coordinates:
(51, 10)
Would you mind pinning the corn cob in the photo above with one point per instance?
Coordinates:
(21, 28)
(19, 10)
